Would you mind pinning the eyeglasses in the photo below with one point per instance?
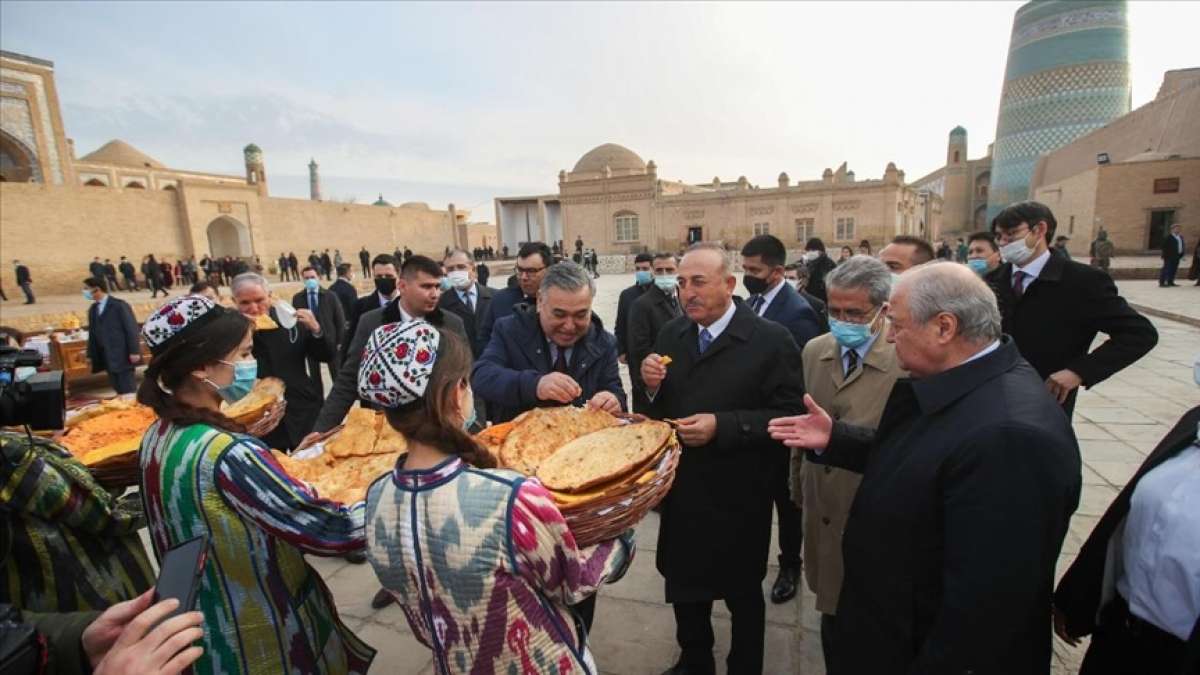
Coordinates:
(855, 315)
(528, 271)
(1019, 232)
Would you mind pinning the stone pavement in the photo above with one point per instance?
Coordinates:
(1117, 423)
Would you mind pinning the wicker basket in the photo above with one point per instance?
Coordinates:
(606, 517)
(118, 472)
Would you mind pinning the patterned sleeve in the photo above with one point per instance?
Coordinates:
(545, 550)
(260, 490)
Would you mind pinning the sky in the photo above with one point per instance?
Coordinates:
(463, 102)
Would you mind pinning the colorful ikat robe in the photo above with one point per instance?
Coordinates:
(265, 610)
(484, 567)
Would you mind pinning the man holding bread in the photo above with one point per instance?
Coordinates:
(719, 374)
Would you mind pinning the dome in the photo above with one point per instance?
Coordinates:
(415, 205)
(251, 148)
(120, 153)
(381, 202)
(958, 131)
(616, 157)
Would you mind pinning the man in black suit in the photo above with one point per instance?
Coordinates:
(24, 280)
(326, 265)
(113, 343)
(466, 297)
(1053, 308)
(129, 273)
(364, 259)
(482, 273)
(343, 289)
(968, 486)
(1173, 250)
(386, 271)
(533, 259)
(643, 280)
(1138, 601)
(772, 298)
(649, 313)
(110, 274)
(731, 372)
(328, 310)
(96, 269)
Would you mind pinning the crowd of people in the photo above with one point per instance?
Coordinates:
(904, 416)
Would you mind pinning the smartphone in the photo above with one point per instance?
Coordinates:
(179, 574)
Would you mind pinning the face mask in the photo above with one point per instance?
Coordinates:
(754, 284)
(1016, 252)
(851, 335)
(87, 295)
(978, 265)
(459, 279)
(311, 284)
(794, 283)
(385, 285)
(444, 284)
(643, 277)
(667, 282)
(244, 374)
(811, 255)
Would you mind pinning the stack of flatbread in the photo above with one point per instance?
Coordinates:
(107, 430)
(537, 434)
(365, 448)
(267, 391)
(604, 463)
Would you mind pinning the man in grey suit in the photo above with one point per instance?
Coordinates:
(113, 342)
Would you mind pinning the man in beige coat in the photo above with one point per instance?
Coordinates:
(849, 372)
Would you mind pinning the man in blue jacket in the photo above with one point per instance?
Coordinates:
(533, 259)
(555, 354)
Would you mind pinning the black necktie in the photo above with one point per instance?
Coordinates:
(560, 361)
(312, 301)
(851, 362)
(756, 302)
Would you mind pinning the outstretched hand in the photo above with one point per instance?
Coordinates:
(811, 430)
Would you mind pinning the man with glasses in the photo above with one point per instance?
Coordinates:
(1054, 307)
(848, 372)
(532, 260)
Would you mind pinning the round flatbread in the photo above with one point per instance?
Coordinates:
(537, 434)
(603, 456)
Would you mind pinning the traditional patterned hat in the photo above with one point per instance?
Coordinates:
(396, 363)
(184, 313)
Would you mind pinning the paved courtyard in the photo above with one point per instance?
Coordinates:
(1117, 423)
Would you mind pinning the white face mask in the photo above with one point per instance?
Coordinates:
(1016, 252)
(811, 255)
(459, 279)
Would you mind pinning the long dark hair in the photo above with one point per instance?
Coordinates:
(167, 371)
(426, 420)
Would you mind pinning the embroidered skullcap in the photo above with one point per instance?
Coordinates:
(180, 315)
(396, 363)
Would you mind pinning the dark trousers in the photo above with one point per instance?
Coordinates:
(585, 614)
(1125, 645)
(366, 271)
(827, 640)
(131, 284)
(1167, 275)
(790, 516)
(27, 287)
(693, 631)
(122, 382)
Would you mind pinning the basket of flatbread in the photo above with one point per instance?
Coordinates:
(262, 409)
(105, 437)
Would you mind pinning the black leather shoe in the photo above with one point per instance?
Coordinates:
(356, 557)
(785, 584)
(681, 669)
(382, 599)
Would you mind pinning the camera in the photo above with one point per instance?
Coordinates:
(37, 400)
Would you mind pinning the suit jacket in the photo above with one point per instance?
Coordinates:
(968, 488)
(1173, 249)
(825, 492)
(127, 270)
(285, 353)
(715, 526)
(1089, 582)
(23, 276)
(1057, 318)
(329, 316)
(452, 303)
(367, 303)
(501, 306)
(624, 302)
(790, 310)
(647, 316)
(345, 388)
(507, 373)
(96, 270)
(817, 269)
(820, 308)
(112, 336)
(347, 296)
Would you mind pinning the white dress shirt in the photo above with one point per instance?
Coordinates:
(1160, 551)
(717, 327)
(768, 297)
(1033, 269)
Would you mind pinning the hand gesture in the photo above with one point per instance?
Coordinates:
(606, 401)
(803, 431)
(653, 372)
(306, 317)
(125, 638)
(696, 430)
(558, 387)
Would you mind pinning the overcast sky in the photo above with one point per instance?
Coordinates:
(465, 102)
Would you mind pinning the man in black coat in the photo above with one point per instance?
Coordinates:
(466, 297)
(113, 343)
(1088, 600)
(533, 259)
(385, 271)
(326, 265)
(24, 280)
(1053, 307)
(344, 290)
(328, 310)
(1173, 250)
(96, 269)
(643, 280)
(649, 313)
(731, 372)
(129, 274)
(364, 259)
(110, 274)
(968, 488)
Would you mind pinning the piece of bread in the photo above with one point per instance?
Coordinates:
(117, 430)
(266, 392)
(357, 437)
(265, 322)
(603, 456)
(537, 434)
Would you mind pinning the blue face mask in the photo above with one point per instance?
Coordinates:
(312, 284)
(87, 295)
(978, 265)
(244, 374)
(851, 335)
(667, 282)
(643, 277)
(444, 284)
